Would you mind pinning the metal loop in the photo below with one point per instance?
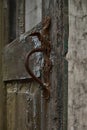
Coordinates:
(46, 49)
(27, 63)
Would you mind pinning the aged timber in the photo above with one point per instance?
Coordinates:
(56, 108)
(2, 89)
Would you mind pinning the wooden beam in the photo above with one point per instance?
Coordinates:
(2, 89)
(20, 17)
(56, 108)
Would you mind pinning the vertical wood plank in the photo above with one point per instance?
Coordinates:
(2, 89)
(77, 58)
(23, 106)
(56, 106)
(65, 66)
(20, 17)
(6, 21)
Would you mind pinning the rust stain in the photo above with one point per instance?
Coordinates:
(46, 49)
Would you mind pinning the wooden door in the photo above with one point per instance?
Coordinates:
(26, 109)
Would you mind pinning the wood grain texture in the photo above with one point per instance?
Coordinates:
(20, 17)
(23, 106)
(2, 89)
(77, 58)
(14, 55)
(26, 108)
(57, 106)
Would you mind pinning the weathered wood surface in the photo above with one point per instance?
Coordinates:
(56, 108)
(2, 90)
(77, 58)
(26, 109)
(33, 13)
(14, 55)
(20, 17)
(23, 106)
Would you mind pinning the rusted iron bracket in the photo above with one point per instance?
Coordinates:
(46, 50)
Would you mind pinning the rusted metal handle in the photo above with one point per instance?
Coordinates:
(46, 49)
(44, 86)
(27, 63)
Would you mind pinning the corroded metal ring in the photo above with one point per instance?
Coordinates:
(27, 63)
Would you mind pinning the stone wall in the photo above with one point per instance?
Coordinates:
(77, 58)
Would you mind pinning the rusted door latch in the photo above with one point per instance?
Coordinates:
(45, 49)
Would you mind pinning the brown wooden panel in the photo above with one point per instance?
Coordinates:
(26, 109)
(58, 89)
(23, 106)
(20, 17)
(2, 89)
(14, 57)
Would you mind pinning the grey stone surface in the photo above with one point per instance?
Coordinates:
(77, 71)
